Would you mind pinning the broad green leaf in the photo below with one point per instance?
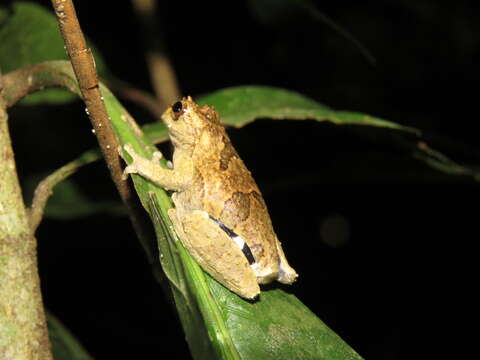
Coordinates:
(64, 345)
(241, 105)
(29, 34)
(279, 326)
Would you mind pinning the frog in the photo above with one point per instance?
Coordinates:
(220, 215)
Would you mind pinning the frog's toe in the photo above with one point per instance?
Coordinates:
(286, 274)
(157, 155)
(130, 169)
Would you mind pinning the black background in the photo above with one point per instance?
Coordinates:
(410, 227)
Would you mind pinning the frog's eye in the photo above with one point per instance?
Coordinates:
(177, 107)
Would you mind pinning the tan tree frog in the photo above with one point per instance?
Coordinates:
(219, 215)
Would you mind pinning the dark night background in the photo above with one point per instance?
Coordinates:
(399, 228)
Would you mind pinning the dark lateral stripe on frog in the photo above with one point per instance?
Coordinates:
(237, 239)
(248, 254)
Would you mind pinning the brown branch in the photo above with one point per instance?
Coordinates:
(162, 74)
(84, 67)
(23, 329)
(26, 80)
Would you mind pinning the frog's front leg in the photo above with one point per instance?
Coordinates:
(176, 179)
(215, 251)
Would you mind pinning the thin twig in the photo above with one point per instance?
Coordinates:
(21, 82)
(162, 74)
(45, 188)
(84, 67)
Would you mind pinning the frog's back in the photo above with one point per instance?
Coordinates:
(229, 193)
(223, 175)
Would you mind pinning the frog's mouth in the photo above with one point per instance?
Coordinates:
(238, 240)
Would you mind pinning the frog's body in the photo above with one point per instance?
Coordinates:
(219, 214)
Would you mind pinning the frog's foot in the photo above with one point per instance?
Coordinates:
(129, 170)
(132, 168)
(139, 164)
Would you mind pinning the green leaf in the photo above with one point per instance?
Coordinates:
(241, 105)
(201, 318)
(64, 345)
(29, 34)
(279, 326)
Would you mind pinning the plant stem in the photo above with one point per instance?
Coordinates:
(84, 67)
(23, 329)
(45, 187)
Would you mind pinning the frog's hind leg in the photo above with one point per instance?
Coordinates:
(216, 252)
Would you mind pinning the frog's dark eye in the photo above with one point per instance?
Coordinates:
(177, 107)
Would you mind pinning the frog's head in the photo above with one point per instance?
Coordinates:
(185, 121)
